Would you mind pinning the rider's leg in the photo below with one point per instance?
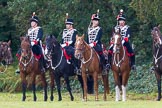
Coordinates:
(131, 54)
(41, 59)
(110, 51)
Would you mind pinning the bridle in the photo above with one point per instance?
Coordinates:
(25, 60)
(49, 52)
(83, 50)
(116, 50)
(157, 43)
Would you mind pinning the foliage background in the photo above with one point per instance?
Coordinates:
(141, 15)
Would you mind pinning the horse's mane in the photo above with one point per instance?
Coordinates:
(24, 39)
(55, 39)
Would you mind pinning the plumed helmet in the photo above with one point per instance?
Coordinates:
(121, 16)
(95, 17)
(34, 18)
(69, 21)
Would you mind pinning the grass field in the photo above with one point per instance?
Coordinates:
(13, 100)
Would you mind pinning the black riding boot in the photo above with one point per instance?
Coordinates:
(108, 65)
(133, 66)
(41, 64)
(103, 64)
(76, 68)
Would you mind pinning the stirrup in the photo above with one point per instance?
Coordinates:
(17, 71)
(152, 69)
(43, 69)
(77, 71)
(133, 67)
(108, 66)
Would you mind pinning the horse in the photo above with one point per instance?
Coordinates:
(90, 66)
(59, 64)
(5, 55)
(29, 66)
(157, 55)
(120, 66)
(5, 52)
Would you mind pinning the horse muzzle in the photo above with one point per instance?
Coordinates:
(78, 56)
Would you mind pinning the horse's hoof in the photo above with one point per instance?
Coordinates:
(72, 99)
(23, 99)
(105, 99)
(59, 99)
(158, 99)
(45, 98)
(35, 99)
(51, 98)
(96, 99)
(84, 100)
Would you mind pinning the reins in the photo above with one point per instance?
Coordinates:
(26, 63)
(83, 60)
(50, 60)
(118, 62)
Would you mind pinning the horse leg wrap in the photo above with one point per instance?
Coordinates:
(117, 90)
(123, 93)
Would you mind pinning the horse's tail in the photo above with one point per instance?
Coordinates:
(107, 84)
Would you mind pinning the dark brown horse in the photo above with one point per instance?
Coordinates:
(29, 66)
(5, 55)
(90, 65)
(120, 66)
(157, 55)
(60, 66)
(5, 52)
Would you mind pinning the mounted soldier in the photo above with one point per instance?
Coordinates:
(35, 34)
(68, 41)
(125, 33)
(94, 37)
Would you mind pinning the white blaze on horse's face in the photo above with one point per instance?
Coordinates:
(78, 51)
(46, 51)
(115, 43)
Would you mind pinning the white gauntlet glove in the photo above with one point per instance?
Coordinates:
(91, 45)
(63, 45)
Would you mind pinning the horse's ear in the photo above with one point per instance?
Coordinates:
(21, 38)
(77, 36)
(51, 35)
(9, 43)
(158, 26)
(83, 36)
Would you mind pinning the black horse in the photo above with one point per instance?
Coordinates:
(157, 55)
(59, 64)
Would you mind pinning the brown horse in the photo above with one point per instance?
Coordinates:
(157, 55)
(5, 52)
(5, 55)
(29, 66)
(90, 65)
(120, 66)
